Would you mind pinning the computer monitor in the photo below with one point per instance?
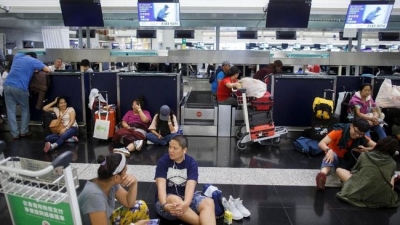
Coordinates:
(158, 13)
(187, 34)
(389, 36)
(382, 47)
(285, 35)
(246, 34)
(297, 46)
(288, 14)
(317, 46)
(285, 45)
(146, 34)
(368, 14)
(82, 13)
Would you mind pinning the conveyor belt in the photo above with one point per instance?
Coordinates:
(200, 99)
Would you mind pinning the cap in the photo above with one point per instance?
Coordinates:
(164, 113)
(226, 62)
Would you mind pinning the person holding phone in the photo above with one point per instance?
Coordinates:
(176, 179)
(370, 182)
(97, 199)
(163, 127)
(342, 147)
(134, 126)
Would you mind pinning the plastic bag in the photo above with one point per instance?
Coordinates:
(254, 87)
(388, 95)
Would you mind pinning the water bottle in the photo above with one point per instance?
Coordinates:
(180, 130)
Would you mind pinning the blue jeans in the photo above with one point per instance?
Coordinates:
(164, 141)
(379, 131)
(194, 205)
(60, 139)
(14, 96)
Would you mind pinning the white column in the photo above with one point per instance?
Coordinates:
(55, 37)
(168, 39)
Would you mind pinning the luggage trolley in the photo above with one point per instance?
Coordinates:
(38, 192)
(266, 134)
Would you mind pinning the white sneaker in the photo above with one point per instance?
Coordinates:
(149, 142)
(239, 205)
(123, 151)
(236, 215)
(138, 144)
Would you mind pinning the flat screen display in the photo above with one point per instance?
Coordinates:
(389, 36)
(368, 16)
(188, 34)
(146, 34)
(246, 34)
(158, 14)
(285, 35)
(288, 14)
(82, 13)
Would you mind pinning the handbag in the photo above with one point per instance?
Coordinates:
(101, 127)
(57, 125)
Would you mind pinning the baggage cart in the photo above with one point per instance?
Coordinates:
(266, 134)
(40, 193)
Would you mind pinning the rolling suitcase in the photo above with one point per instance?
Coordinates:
(108, 114)
(261, 131)
(264, 103)
(257, 118)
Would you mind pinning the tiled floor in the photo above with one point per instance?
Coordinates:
(275, 183)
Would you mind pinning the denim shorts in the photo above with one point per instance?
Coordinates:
(333, 164)
(194, 205)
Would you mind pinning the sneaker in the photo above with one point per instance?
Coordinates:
(236, 215)
(73, 139)
(138, 144)
(47, 147)
(321, 180)
(149, 142)
(122, 151)
(239, 205)
(27, 134)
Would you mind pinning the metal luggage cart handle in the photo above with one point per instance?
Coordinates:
(62, 160)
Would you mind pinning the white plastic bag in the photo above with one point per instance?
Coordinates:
(254, 87)
(388, 95)
(101, 128)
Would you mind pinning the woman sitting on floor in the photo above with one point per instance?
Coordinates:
(134, 128)
(176, 179)
(371, 181)
(163, 127)
(70, 131)
(97, 199)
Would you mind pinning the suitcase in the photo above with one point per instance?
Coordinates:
(262, 131)
(257, 118)
(111, 118)
(264, 103)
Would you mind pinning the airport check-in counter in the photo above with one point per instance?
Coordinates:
(157, 89)
(294, 96)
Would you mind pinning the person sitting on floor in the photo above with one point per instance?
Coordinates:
(176, 179)
(134, 124)
(163, 127)
(230, 81)
(370, 182)
(68, 115)
(342, 147)
(98, 197)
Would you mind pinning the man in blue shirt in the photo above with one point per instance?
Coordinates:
(220, 74)
(16, 91)
(162, 14)
(372, 15)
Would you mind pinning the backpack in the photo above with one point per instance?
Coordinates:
(323, 108)
(307, 146)
(216, 195)
(214, 74)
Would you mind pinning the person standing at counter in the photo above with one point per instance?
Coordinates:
(16, 91)
(58, 65)
(225, 94)
(272, 68)
(219, 75)
(85, 66)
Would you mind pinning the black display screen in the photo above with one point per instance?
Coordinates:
(146, 34)
(188, 34)
(286, 35)
(82, 13)
(288, 14)
(389, 36)
(246, 34)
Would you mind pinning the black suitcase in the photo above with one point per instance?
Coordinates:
(257, 118)
(47, 117)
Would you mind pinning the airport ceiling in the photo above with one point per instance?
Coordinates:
(204, 14)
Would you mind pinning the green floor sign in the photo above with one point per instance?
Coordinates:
(29, 211)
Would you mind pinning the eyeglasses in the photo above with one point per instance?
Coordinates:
(357, 132)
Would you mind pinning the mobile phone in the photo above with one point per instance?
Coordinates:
(154, 222)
